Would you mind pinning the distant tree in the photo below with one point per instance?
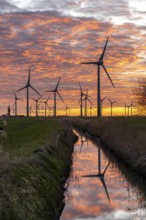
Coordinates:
(140, 93)
(9, 110)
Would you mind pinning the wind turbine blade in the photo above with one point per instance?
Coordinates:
(108, 75)
(35, 90)
(80, 88)
(89, 101)
(47, 99)
(57, 84)
(103, 53)
(60, 96)
(22, 88)
(110, 101)
(92, 175)
(20, 99)
(104, 185)
(79, 101)
(106, 168)
(50, 91)
(33, 99)
(95, 63)
(28, 82)
(15, 94)
(39, 98)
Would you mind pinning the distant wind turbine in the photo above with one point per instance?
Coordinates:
(86, 99)
(27, 92)
(112, 106)
(37, 106)
(66, 109)
(132, 105)
(55, 91)
(46, 104)
(98, 64)
(100, 174)
(15, 103)
(101, 101)
(125, 107)
(81, 100)
(30, 109)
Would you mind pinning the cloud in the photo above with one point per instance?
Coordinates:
(55, 44)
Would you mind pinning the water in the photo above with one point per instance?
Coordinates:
(108, 197)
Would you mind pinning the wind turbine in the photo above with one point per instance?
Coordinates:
(99, 63)
(128, 106)
(30, 109)
(15, 103)
(125, 108)
(66, 109)
(86, 99)
(81, 100)
(112, 106)
(100, 174)
(46, 104)
(27, 92)
(101, 101)
(55, 91)
(132, 108)
(36, 101)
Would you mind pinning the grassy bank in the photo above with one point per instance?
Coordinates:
(125, 137)
(34, 160)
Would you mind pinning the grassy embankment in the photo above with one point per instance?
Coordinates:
(33, 168)
(125, 137)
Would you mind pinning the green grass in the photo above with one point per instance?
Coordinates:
(32, 169)
(26, 134)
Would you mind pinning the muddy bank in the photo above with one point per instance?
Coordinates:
(33, 187)
(125, 138)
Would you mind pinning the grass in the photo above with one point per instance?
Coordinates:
(125, 137)
(33, 169)
(26, 134)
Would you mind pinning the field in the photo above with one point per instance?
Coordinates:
(35, 155)
(125, 137)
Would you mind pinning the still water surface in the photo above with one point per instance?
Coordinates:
(106, 196)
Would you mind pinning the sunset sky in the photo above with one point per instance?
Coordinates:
(55, 36)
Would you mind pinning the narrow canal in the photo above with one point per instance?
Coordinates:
(97, 188)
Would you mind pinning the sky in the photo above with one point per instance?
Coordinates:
(53, 37)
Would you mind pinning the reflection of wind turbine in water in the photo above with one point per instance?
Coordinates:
(83, 141)
(100, 174)
(100, 63)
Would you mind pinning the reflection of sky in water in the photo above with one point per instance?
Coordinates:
(86, 196)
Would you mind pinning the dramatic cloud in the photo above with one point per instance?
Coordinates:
(55, 36)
